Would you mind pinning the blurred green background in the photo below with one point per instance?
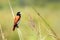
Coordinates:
(31, 25)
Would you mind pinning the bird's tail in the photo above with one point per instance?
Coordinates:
(16, 25)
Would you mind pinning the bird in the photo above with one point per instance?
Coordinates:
(16, 20)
